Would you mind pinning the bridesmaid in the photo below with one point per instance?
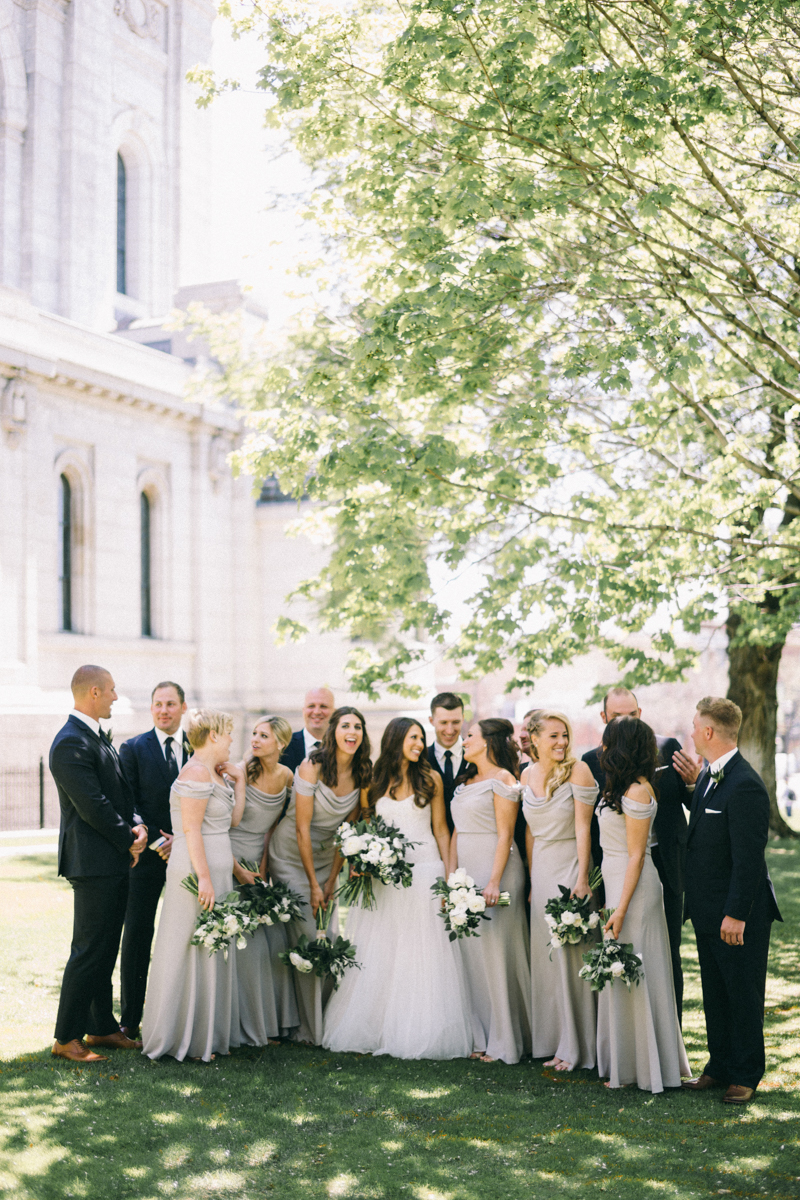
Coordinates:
(638, 1035)
(267, 1005)
(558, 798)
(484, 810)
(192, 1006)
(326, 792)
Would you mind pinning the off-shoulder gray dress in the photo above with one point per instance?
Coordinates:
(267, 1005)
(563, 1008)
(638, 1036)
(498, 961)
(286, 865)
(192, 1005)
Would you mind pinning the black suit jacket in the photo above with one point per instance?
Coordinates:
(146, 771)
(669, 827)
(457, 768)
(726, 872)
(97, 804)
(295, 752)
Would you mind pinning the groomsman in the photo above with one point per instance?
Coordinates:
(446, 753)
(151, 763)
(100, 838)
(731, 902)
(676, 776)
(317, 711)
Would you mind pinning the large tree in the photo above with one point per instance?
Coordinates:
(567, 353)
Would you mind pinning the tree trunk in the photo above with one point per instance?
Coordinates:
(753, 680)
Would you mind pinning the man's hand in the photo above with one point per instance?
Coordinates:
(139, 843)
(732, 931)
(164, 851)
(687, 767)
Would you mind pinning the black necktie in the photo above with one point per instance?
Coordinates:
(172, 762)
(448, 772)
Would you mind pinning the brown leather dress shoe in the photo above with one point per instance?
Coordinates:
(117, 1041)
(701, 1084)
(738, 1094)
(133, 1034)
(75, 1051)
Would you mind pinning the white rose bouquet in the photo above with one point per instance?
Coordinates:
(610, 960)
(373, 850)
(270, 903)
(570, 918)
(464, 906)
(322, 956)
(230, 918)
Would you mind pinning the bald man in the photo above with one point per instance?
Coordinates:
(317, 711)
(675, 779)
(100, 839)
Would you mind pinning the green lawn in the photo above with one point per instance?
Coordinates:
(293, 1122)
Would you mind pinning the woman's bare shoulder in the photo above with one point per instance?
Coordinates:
(194, 773)
(582, 775)
(640, 792)
(506, 777)
(309, 771)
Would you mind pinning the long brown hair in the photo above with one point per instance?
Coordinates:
(501, 747)
(325, 754)
(629, 752)
(388, 771)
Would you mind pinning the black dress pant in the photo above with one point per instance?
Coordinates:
(85, 1004)
(146, 884)
(673, 911)
(734, 980)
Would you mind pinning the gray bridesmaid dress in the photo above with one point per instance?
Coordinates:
(638, 1036)
(192, 1005)
(497, 962)
(563, 1007)
(286, 865)
(267, 1005)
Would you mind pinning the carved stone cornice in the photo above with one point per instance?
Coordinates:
(145, 18)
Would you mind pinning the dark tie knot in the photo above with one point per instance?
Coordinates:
(448, 753)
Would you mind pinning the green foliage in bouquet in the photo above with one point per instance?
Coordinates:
(231, 917)
(373, 849)
(321, 956)
(609, 961)
(271, 903)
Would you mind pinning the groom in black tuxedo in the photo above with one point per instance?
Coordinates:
(731, 902)
(99, 836)
(151, 763)
(675, 777)
(446, 752)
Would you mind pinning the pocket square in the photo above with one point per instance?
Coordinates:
(716, 811)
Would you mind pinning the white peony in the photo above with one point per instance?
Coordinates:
(284, 917)
(231, 924)
(477, 904)
(458, 919)
(352, 845)
(398, 843)
(460, 878)
(550, 920)
(568, 918)
(241, 943)
(555, 941)
(459, 910)
(594, 920)
(300, 963)
(617, 969)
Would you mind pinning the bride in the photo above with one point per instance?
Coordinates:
(409, 998)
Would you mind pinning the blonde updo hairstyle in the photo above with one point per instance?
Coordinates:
(561, 772)
(283, 735)
(203, 721)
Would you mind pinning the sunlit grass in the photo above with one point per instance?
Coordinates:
(295, 1122)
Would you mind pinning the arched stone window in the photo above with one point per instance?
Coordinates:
(122, 226)
(65, 553)
(146, 561)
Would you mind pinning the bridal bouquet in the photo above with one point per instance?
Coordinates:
(231, 917)
(570, 918)
(270, 902)
(373, 850)
(321, 956)
(610, 960)
(464, 906)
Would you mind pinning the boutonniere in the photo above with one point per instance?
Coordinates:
(717, 775)
(107, 735)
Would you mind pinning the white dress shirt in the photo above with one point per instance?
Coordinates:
(90, 721)
(177, 744)
(311, 741)
(457, 750)
(718, 763)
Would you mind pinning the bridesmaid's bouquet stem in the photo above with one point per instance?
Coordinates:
(270, 903)
(609, 961)
(570, 918)
(230, 918)
(464, 906)
(321, 956)
(373, 850)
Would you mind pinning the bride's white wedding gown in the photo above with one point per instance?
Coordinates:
(409, 998)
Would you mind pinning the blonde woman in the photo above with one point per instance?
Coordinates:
(558, 798)
(267, 1005)
(192, 1006)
